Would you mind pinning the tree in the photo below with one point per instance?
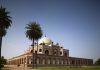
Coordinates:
(3, 61)
(97, 62)
(33, 32)
(5, 23)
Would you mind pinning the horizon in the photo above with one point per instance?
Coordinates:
(75, 25)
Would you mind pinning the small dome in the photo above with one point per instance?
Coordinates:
(45, 40)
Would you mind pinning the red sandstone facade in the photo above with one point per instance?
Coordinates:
(48, 54)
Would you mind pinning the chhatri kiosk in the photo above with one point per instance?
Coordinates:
(46, 53)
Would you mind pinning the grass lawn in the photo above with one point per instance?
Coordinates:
(71, 68)
(5, 69)
(62, 68)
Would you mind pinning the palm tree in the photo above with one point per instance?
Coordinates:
(33, 32)
(5, 23)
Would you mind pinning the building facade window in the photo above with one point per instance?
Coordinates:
(60, 53)
(35, 52)
(40, 50)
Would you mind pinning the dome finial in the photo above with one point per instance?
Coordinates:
(45, 35)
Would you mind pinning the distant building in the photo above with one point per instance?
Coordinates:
(48, 54)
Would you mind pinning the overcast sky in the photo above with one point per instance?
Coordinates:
(74, 24)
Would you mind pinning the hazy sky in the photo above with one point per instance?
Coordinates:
(74, 24)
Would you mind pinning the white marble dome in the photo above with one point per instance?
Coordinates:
(45, 40)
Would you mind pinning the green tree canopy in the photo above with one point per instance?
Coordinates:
(5, 23)
(33, 31)
(97, 62)
(3, 61)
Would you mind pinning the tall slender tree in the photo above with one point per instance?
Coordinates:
(33, 32)
(5, 23)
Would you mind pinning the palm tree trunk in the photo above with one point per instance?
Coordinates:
(36, 53)
(33, 54)
(37, 46)
(0, 50)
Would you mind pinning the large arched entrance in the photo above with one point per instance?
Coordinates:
(46, 52)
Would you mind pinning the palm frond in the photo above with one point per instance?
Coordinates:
(2, 32)
(33, 31)
(5, 21)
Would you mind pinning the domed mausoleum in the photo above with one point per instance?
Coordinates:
(45, 40)
(46, 53)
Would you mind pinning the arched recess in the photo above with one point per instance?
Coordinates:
(55, 52)
(48, 61)
(65, 53)
(31, 51)
(38, 60)
(46, 52)
(43, 61)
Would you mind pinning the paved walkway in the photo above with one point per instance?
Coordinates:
(22, 68)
